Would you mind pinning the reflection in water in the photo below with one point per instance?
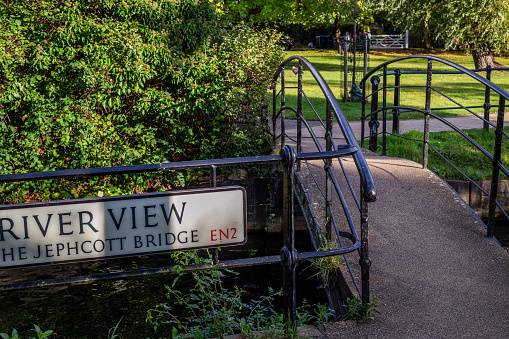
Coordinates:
(89, 311)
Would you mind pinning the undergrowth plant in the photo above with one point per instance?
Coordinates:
(209, 309)
(38, 332)
(356, 310)
(97, 83)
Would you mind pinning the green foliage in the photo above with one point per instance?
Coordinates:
(209, 309)
(310, 13)
(359, 311)
(470, 23)
(40, 334)
(95, 83)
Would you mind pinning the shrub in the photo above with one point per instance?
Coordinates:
(94, 83)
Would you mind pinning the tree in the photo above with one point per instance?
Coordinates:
(310, 13)
(93, 83)
(479, 26)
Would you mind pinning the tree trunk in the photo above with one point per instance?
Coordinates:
(337, 27)
(483, 56)
(428, 46)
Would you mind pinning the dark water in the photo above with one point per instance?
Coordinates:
(89, 311)
(501, 231)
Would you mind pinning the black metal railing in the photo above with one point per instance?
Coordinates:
(330, 190)
(289, 255)
(378, 77)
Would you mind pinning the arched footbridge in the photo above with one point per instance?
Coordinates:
(429, 259)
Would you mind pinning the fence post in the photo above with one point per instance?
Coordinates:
(366, 41)
(283, 104)
(427, 109)
(289, 256)
(487, 104)
(365, 261)
(397, 92)
(363, 111)
(384, 111)
(345, 70)
(495, 167)
(299, 113)
(274, 112)
(213, 183)
(373, 122)
(406, 39)
(327, 166)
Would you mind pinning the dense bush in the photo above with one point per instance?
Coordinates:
(93, 83)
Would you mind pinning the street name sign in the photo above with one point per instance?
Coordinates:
(87, 229)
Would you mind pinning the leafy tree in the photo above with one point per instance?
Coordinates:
(93, 83)
(310, 13)
(480, 26)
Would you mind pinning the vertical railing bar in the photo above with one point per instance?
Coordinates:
(283, 104)
(363, 111)
(299, 113)
(290, 256)
(397, 92)
(345, 71)
(327, 168)
(487, 99)
(274, 112)
(495, 167)
(373, 122)
(213, 183)
(384, 111)
(365, 56)
(427, 112)
(365, 261)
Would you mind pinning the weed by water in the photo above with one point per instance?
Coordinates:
(209, 309)
(359, 311)
(40, 334)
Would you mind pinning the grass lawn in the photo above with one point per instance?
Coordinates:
(455, 148)
(461, 88)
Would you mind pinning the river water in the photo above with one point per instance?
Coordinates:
(90, 310)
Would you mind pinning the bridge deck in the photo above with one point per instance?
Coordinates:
(434, 270)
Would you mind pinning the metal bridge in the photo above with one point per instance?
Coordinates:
(436, 269)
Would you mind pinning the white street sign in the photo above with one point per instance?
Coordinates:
(85, 229)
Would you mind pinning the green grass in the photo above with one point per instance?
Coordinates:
(454, 147)
(461, 88)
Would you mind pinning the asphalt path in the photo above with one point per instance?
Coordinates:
(434, 270)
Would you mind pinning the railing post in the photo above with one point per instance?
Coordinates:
(299, 113)
(289, 256)
(283, 104)
(427, 109)
(213, 183)
(495, 167)
(373, 122)
(274, 112)
(327, 167)
(365, 261)
(397, 92)
(487, 104)
(345, 70)
(384, 111)
(365, 56)
(363, 111)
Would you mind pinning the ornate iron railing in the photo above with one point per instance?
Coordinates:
(323, 221)
(380, 111)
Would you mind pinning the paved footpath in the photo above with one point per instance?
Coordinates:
(436, 273)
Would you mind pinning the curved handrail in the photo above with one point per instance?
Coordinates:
(460, 68)
(490, 87)
(360, 162)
